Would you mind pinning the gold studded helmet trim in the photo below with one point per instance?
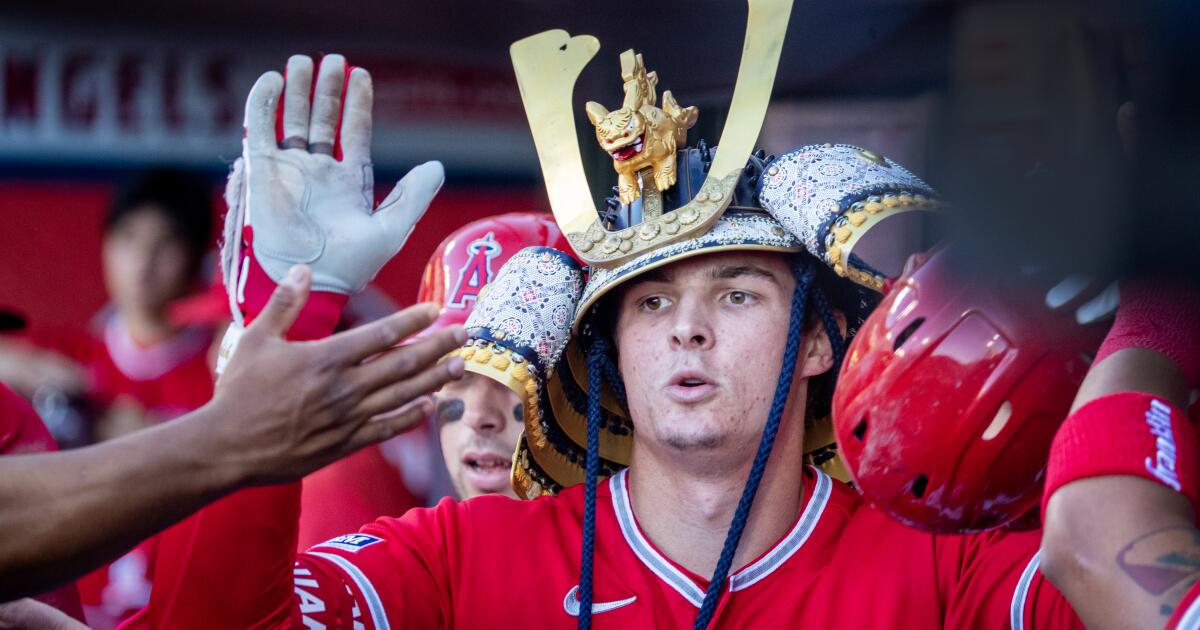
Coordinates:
(555, 448)
(523, 334)
(830, 195)
(736, 230)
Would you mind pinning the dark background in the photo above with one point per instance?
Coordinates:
(1008, 107)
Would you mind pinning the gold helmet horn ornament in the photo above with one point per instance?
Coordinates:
(641, 137)
(547, 66)
(529, 330)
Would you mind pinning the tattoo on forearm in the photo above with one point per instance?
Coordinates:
(1164, 562)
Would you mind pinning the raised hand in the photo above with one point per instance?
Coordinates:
(304, 194)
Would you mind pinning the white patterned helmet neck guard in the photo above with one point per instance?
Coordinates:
(532, 327)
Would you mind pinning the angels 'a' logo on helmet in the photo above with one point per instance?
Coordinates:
(476, 272)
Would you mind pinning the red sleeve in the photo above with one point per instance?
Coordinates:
(228, 565)
(998, 583)
(396, 571)
(22, 431)
(328, 510)
(233, 565)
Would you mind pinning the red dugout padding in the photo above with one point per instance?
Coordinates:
(50, 249)
(50, 242)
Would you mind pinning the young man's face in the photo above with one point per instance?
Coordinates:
(700, 344)
(480, 421)
(145, 263)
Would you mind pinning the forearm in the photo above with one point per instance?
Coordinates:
(78, 509)
(1123, 549)
(1134, 370)
(1121, 572)
(29, 613)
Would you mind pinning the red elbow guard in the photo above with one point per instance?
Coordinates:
(1126, 434)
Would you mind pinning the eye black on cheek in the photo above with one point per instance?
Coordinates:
(450, 410)
(519, 412)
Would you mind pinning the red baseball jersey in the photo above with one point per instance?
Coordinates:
(22, 432)
(167, 379)
(354, 490)
(493, 561)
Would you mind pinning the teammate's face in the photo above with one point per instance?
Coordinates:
(700, 343)
(480, 421)
(145, 264)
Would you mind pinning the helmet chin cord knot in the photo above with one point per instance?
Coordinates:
(597, 360)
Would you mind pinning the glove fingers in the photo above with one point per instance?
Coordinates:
(356, 117)
(1068, 290)
(326, 104)
(260, 111)
(1100, 307)
(1084, 294)
(402, 208)
(297, 103)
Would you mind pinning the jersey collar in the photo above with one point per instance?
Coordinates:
(747, 576)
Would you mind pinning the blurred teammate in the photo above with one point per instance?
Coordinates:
(22, 432)
(156, 237)
(78, 508)
(139, 366)
(479, 420)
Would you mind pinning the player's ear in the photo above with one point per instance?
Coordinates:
(816, 353)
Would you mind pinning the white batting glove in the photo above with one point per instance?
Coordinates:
(303, 191)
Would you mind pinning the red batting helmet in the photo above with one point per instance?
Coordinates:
(470, 257)
(951, 393)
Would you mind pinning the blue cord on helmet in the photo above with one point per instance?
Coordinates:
(597, 358)
(598, 364)
(837, 342)
(804, 273)
(615, 383)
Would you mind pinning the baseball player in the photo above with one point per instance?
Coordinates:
(479, 420)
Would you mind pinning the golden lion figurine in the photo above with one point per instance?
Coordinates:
(641, 135)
